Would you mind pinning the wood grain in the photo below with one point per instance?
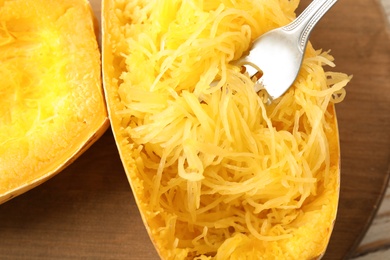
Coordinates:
(356, 33)
(376, 242)
(378, 236)
(88, 210)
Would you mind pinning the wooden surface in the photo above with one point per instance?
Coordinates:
(360, 42)
(88, 212)
(376, 242)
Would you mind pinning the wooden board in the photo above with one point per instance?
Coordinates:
(376, 242)
(88, 210)
(357, 34)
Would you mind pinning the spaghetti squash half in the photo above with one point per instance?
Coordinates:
(52, 104)
(216, 172)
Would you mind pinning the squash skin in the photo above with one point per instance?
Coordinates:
(77, 115)
(129, 156)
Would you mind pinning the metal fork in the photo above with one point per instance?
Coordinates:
(277, 55)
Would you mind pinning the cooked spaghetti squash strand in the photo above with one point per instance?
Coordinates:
(224, 174)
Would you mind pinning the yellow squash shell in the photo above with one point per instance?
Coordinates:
(216, 172)
(52, 102)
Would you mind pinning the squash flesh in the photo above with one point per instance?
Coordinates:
(52, 105)
(145, 93)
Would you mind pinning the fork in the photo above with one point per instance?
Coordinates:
(276, 57)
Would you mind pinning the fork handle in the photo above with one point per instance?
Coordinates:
(306, 21)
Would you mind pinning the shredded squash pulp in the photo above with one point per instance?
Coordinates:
(219, 173)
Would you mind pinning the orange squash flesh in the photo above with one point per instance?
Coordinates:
(52, 104)
(188, 147)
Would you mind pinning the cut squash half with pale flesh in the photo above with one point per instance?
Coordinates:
(218, 173)
(52, 102)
